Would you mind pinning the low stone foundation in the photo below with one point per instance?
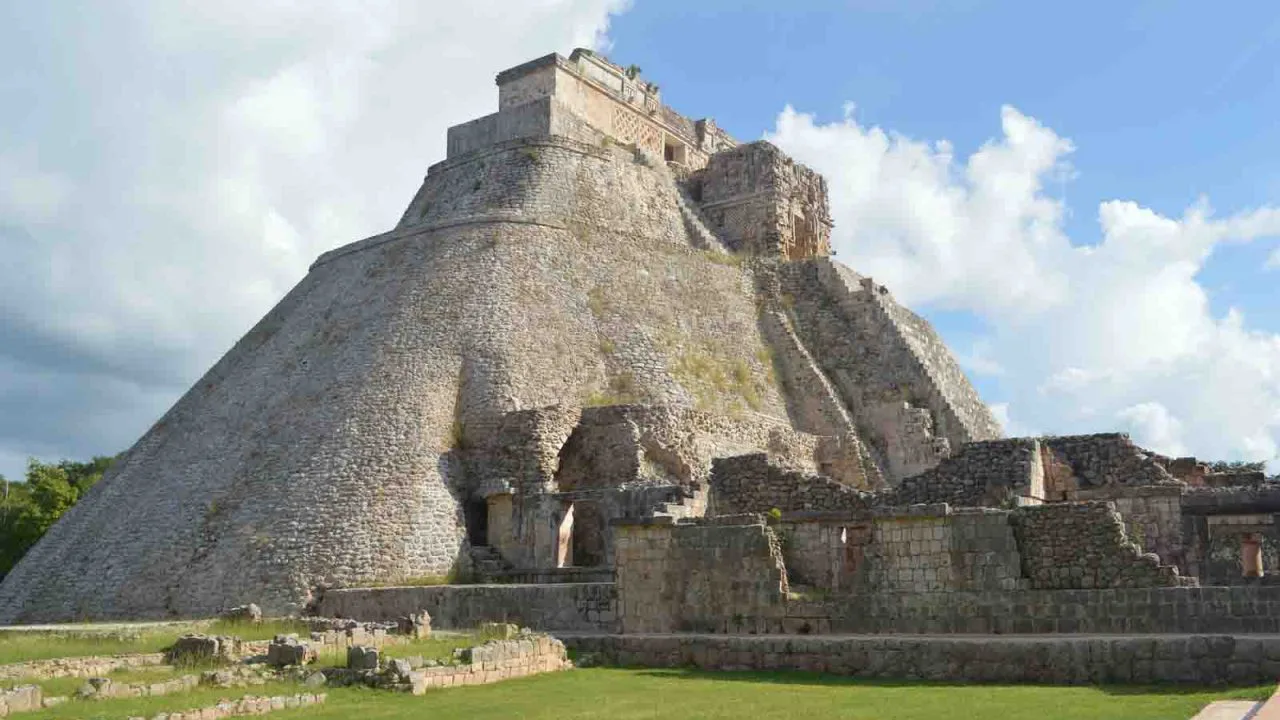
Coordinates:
(1230, 610)
(495, 661)
(247, 705)
(20, 699)
(559, 606)
(78, 667)
(1194, 659)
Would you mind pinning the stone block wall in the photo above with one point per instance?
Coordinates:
(753, 484)
(564, 606)
(1200, 659)
(760, 201)
(1084, 545)
(985, 473)
(1087, 461)
(917, 549)
(1152, 516)
(495, 661)
(1004, 612)
(714, 576)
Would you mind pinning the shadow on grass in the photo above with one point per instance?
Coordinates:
(799, 677)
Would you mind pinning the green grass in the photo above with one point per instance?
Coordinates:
(674, 695)
(68, 685)
(627, 694)
(23, 646)
(148, 707)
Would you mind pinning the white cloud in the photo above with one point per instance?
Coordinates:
(1112, 335)
(178, 165)
(29, 194)
(1273, 260)
(1152, 422)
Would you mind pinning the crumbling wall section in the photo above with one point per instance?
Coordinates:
(1083, 545)
(724, 575)
(1152, 516)
(1102, 459)
(988, 473)
(753, 484)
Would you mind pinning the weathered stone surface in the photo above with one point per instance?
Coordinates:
(1051, 660)
(244, 613)
(196, 649)
(415, 625)
(584, 606)
(288, 650)
(362, 658)
(23, 698)
(1084, 545)
(344, 440)
(79, 667)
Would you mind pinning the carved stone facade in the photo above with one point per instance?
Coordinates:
(764, 203)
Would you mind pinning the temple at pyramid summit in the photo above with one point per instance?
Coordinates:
(604, 374)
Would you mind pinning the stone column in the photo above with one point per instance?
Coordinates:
(1251, 555)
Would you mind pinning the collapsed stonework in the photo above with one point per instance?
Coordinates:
(598, 318)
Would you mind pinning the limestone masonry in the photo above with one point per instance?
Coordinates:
(603, 376)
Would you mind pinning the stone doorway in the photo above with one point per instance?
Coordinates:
(564, 538)
(476, 517)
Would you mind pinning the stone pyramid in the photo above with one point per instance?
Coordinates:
(590, 299)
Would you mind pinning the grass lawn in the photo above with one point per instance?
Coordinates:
(21, 646)
(619, 694)
(68, 685)
(674, 695)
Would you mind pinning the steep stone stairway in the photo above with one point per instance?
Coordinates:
(487, 563)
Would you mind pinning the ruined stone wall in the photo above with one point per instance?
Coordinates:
(561, 606)
(1152, 516)
(709, 576)
(986, 473)
(321, 450)
(495, 661)
(1083, 545)
(753, 484)
(1103, 459)
(762, 202)
(923, 548)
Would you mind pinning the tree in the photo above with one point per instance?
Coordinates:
(1237, 466)
(29, 509)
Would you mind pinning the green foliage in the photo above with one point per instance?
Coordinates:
(1236, 466)
(28, 510)
(715, 380)
(730, 259)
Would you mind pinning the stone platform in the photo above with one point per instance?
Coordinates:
(1064, 660)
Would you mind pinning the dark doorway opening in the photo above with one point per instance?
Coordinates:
(476, 515)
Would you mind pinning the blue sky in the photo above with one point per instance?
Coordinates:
(1165, 102)
(155, 141)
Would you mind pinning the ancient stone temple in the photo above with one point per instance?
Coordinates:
(599, 320)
